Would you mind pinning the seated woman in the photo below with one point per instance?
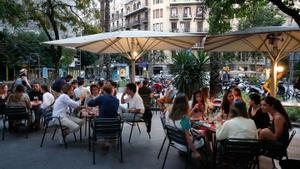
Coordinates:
(48, 98)
(198, 107)
(226, 105)
(3, 97)
(277, 135)
(18, 99)
(179, 117)
(237, 94)
(91, 111)
(261, 119)
(238, 125)
(208, 104)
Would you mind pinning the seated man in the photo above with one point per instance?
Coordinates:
(146, 94)
(36, 99)
(61, 109)
(108, 104)
(108, 108)
(136, 107)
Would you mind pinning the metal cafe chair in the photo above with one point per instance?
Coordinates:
(49, 123)
(106, 128)
(12, 114)
(244, 151)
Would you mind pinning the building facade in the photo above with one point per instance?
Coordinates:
(159, 15)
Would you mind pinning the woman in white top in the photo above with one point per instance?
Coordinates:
(239, 124)
(48, 98)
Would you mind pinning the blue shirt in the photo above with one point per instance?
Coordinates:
(108, 105)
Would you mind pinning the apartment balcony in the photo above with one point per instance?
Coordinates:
(186, 17)
(174, 17)
(174, 30)
(199, 17)
(136, 23)
(186, 2)
(141, 9)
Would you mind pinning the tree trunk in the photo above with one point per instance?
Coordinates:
(215, 79)
(106, 26)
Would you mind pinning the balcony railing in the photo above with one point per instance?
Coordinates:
(174, 16)
(186, 16)
(136, 23)
(136, 11)
(199, 16)
(182, 2)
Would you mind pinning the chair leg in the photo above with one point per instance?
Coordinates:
(54, 133)
(130, 133)
(45, 130)
(80, 134)
(90, 138)
(27, 129)
(63, 136)
(188, 159)
(85, 126)
(4, 128)
(75, 138)
(121, 147)
(138, 127)
(163, 166)
(161, 147)
(93, 147)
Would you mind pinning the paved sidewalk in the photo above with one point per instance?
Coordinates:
(17, 152)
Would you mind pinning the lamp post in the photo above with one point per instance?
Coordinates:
(39, 62)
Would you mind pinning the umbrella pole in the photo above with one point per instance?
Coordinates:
(274, 79)
(133, 71)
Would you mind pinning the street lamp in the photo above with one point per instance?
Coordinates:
(39, 63)
(279, 69)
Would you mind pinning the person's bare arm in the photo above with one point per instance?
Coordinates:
(123, 99)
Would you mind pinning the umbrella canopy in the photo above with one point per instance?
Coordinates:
(132, 44)
(277, 41)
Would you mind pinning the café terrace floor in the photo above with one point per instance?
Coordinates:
(17, 152)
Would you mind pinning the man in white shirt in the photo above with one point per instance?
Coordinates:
(136, 107)
(61, 109)
(48, 98)
(81, 90)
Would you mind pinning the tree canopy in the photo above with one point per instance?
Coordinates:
(56, 18)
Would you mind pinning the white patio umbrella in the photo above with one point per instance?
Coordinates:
(276, 41)
(131, 44)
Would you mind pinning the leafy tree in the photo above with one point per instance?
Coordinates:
(55, 17)
(25, 48)
(12, 12)
(190, 71)
(262, 16)
(231, 8)
(250, 14)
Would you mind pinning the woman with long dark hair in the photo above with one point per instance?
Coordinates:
(198, 106)
(179, 118)
(255, 112)
(226, 104)
(281, 123)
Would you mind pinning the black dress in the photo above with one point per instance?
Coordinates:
(261, 119)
